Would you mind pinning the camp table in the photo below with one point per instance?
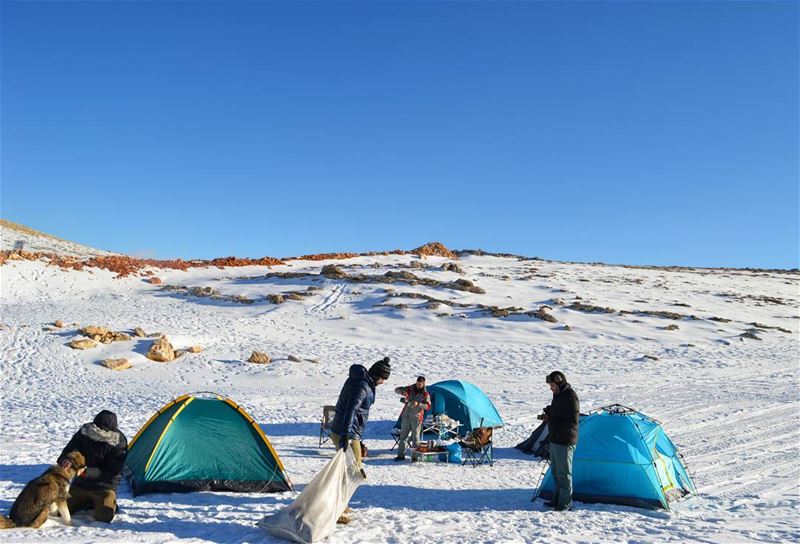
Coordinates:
(431, 456)
(445, 430)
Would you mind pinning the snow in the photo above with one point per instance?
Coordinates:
(732, 406)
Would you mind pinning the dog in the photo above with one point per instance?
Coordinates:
(45, 495)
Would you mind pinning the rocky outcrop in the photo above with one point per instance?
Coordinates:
(161, 351)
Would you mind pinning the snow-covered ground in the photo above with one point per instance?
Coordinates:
(731, 405)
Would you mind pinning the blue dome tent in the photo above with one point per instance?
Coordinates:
(624, 457)
(464, 402)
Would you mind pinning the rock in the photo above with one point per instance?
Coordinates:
(259, 358)
(401, 275)
(749, 334)
(195, 349)
(116, 364)
(138, 331)
(581, 307)
(452, 267)
(82, 343)
(543, 315)
(651, 357)
(464, 283)
(672, 327)
(58, 323)
(566, 328)
(332, 271)
(499, 312)
(203, 291)
(275, 299)
(416, 264)
(91, 331)
(432, 305)
(161, 351)
(294, 358)
(155, 281)
(155, 335)
(295, 296)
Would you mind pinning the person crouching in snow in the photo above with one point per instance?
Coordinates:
(417, 401)
(352, 408)
(105, 448)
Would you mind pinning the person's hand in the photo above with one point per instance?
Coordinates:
(343, 442)
(91, 473)
(415, 403)
(403, 400)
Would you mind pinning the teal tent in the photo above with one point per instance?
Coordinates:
(201, 444)
(463, 402)
(624, 457)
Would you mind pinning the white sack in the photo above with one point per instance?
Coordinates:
(312, 516)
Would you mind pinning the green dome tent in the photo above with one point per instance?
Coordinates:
(203, 444)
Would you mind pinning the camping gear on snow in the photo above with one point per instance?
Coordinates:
(328, 411)
(201, 444)
(537, 443)
(624, 457)
(312, 516)
(454, 451)
(476, 447)
(463, 402)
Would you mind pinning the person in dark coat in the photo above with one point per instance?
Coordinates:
(562, 419)
(105, 448)
(355, 401)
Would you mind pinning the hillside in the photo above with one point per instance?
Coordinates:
(711, 354)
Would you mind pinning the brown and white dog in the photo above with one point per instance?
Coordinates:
(45, 495)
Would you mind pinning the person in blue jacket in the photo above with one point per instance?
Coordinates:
(355, 400)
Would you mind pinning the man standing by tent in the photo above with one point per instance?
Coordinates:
(417, 401)
(105, 449)
(562, 417)
(352, 408)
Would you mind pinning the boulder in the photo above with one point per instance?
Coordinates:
(332, 271)
(195, 349)
(91, 331)
(259, 358)
(82, 343)
(294, 358)
(58, 323)
(452, 267)
(161, 351)
(138, 331)
(672, 327)
(276, 299)
(543, 315)
(155, 281)
(116, 364)
(416, 264)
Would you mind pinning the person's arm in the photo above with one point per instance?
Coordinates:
(71, 446)
(427, 405)
(349, 412)
(400, 390)
(112, 464)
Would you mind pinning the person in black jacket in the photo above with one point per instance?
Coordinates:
(562, 418)
(105, 448)
(355, 400)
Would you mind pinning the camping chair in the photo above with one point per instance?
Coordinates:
(325, 423)
(476, 447)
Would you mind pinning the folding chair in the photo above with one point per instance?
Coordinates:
(477, 447)
(396, 435)
(325, 423)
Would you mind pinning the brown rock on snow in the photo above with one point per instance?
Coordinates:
(155, 280)
(58, 323)
(332, 271)
(195, 349)
(91, 331)
(161, 351)
(82, 343)
(276, 299)
(259, 358)
(116, 364)
(138, 331)
(294, 358)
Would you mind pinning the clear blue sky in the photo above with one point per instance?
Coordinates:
(642, 133)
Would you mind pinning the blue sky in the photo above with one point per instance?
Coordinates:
(641, 133)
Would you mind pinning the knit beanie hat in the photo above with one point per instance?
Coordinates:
(381, 369)
(106, 420)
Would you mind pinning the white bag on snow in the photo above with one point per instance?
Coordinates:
(312, 516)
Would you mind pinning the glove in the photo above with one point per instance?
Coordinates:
(343, 442)
(91, 473)
(404, 400)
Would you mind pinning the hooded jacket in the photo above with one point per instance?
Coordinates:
(563, 416)
(355, 400)
(105, 449)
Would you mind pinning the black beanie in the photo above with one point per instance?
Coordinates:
(557, 378)
(381, 369)
(106, 420)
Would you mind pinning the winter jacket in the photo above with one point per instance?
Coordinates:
(355, 400)
(104, 447)
(563, 416)
(412, 395)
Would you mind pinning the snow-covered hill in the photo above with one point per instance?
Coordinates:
(676, 344)
(14, 236)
